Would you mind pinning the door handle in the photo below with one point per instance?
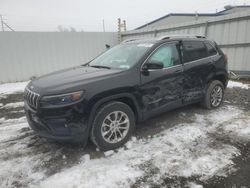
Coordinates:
(178, 71)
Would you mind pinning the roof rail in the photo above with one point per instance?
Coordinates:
(129, 40)
(179, 36)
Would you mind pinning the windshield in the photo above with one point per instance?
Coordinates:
(122, 56)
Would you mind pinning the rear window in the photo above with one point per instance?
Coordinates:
(194, 50)
(211, 50)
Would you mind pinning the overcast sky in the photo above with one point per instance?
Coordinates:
(87, 15)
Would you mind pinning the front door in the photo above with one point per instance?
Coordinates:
(197, 68)
(162, 88)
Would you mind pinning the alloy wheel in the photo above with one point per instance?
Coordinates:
(115, 127)
(216, 96)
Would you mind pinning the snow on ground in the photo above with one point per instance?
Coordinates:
(194, 185)
(239, 129)
(232, 84)
(186, 150)
(10, 88)
(9, 128)
(12, 105)
(115, 171)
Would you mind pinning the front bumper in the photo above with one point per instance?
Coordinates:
(64, 124)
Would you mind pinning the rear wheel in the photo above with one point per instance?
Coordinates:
(214, 95)
(113, 126)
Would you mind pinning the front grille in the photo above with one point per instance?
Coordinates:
(32, 98)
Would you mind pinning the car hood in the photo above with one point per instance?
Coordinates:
(69, 80)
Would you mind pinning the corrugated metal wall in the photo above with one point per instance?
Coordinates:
(231, 32)
(27, 54)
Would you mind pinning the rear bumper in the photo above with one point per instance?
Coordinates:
(68, 126)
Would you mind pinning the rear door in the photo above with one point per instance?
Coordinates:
(198, 66)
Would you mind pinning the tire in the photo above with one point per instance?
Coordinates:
(104, 133)
(211, 90)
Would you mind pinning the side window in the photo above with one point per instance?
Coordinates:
(193, 50)
(168, 55)
(211, 50)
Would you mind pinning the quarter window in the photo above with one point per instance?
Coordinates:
(211, 50)
(193, 50)
(168, 55)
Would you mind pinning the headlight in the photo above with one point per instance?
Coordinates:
(61, 100)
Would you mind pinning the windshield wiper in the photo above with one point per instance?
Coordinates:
(100, 66)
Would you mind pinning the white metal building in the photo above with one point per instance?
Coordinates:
(176, 18)
(230, 31)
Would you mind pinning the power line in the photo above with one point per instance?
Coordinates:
(8, 26)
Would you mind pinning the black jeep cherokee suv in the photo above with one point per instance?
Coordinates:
(131, 82)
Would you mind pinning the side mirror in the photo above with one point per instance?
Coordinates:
(153, 64)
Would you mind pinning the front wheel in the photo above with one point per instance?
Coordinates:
(113, 126)
(214, 95)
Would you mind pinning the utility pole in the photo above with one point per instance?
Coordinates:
(120, 26)
(196, 15)
(2, 23)
(124, 25)
(119, 30)
(103, 25)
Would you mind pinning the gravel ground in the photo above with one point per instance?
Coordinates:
(35, 159)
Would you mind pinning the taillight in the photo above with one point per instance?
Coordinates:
(226, 57)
